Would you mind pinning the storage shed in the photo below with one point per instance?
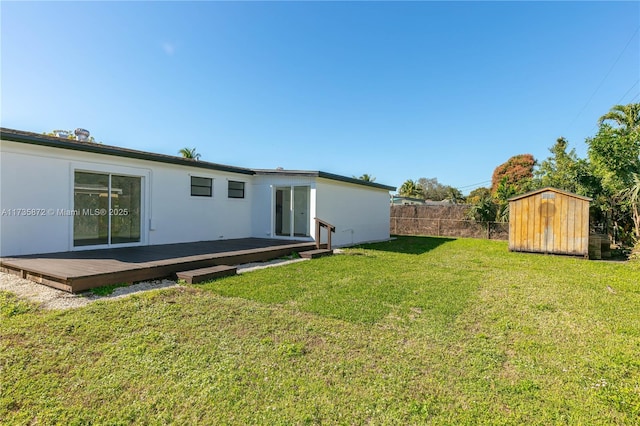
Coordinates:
(549, 221)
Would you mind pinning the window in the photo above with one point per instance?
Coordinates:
(201, 187)
(236, 189)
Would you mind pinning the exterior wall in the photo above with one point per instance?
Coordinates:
(549, 222)
(176, 216)
(41, 178)
(32, 182)
(359, 213)
(263, 208)
(36, 177)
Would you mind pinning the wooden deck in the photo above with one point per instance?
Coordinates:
(82, 270)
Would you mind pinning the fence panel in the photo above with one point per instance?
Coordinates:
(443, 221)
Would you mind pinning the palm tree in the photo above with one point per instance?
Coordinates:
(367, 178)
(411, 189)
(632, 195)
(627, 117)
(189, 153)
(485, 210)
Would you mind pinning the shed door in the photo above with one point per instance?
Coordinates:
(547, 214)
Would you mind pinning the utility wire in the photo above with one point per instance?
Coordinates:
(474, 184)
(605, 77)
(625, 94)
(595, 126)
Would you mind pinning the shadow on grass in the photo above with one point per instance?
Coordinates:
(409, 244)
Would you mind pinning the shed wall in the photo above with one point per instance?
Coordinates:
(549, 222)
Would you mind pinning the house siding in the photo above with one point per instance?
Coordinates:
(22, 176)
(356, 215)
(41, 176)
(263, 207)
(37, 177)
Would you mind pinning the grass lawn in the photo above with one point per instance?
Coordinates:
(418, 330)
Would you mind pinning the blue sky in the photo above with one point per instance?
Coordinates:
(398, 90)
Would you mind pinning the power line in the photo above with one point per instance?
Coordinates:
(595, 126)
(606, 76)
(625, 94)
(474, 184)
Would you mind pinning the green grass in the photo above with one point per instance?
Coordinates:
(418, 330)
(107, 289)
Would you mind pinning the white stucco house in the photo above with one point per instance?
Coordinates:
(60, 195)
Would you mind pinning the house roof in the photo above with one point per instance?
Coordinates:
(99, 148)
(547, 189)
(325, 175)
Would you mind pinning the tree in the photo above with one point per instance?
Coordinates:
(478, 194)
(614, 157)
(189, 153)
(516, 172)
(366, 177)
(509, 179)
(504, 191)
(626, 117)
(411, 189)
(563, 170)
(432, 189)
(454, 196)
(484, 209)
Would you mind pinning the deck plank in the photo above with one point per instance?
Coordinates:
(82, 270)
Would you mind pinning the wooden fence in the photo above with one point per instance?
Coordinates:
(443, 221)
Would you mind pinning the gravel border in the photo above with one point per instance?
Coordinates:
(51, 298)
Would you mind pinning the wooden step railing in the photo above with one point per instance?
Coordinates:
(330, 228)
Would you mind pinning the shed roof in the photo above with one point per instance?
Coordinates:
(547, 189)
(99, 148)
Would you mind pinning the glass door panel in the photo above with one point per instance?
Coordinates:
(301, 211)
(91, 204)
(283, 211)
(292, 211)
(125, 209)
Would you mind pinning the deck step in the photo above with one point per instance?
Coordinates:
(195, 276)
(312, 254)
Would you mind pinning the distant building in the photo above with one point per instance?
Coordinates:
(397, 200)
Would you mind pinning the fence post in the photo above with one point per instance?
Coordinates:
(488, 230)
(438, 227)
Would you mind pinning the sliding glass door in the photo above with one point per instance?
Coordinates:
(292, 211)
(125, 209)
(107, 209)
